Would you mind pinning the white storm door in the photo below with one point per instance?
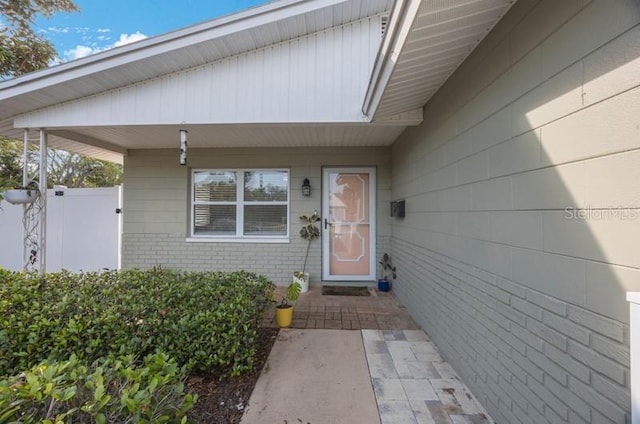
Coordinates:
(348, 224)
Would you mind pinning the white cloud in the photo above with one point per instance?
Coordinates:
(84, 50)
(103, 30)
(79, 51)
(129, 38)
(56, 30)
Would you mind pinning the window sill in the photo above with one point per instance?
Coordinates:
(238, 240)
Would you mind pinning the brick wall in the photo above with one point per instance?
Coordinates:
(523, 216)
(529, 357)
(156, 208)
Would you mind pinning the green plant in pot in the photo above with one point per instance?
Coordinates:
(309, 232)
(388, 273)
(284, 309)
(22, 194)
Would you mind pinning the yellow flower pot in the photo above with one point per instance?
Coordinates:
(284, 316)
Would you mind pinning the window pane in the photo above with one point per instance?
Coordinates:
(214, 186)
(265, 220)
(215, 220)
(266, 186)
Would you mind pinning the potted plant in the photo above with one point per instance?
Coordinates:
(309, 232)
(284, 309)
(388, 272)
(21, 195)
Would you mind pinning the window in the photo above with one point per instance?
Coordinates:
(240, 204)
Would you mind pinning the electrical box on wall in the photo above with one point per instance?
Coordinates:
(397, 209)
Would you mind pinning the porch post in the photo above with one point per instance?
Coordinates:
(26, 208)
(43, 195)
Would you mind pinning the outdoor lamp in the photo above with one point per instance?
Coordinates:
(306, 188)
(183, 146)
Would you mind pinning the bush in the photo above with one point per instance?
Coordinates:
(202, 320)
(109, 391)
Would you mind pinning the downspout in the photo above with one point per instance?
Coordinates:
(401, 18)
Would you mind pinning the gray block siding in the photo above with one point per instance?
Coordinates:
(275, 261)
(528, 357)
(271, 260)
(156, 208)
(523, 213)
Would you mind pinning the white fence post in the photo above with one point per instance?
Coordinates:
(634, 299)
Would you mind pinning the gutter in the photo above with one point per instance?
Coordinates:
(401, 20)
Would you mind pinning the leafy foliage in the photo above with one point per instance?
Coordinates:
(388, 270)
(202, 320)
(291, 295)
(109, 391)
(309, 232)
(21, 49)
(10, 164)
(69, 169)
(74, 170)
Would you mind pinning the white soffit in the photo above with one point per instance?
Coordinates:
(441, 36)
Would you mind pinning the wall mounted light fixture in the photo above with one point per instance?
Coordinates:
(306, 188)
(183, 146)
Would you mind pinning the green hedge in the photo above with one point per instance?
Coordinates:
(202, 320)
(109, 391)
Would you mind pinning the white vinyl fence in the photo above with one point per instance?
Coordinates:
(83, 230)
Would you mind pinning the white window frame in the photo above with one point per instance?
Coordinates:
(240, 204)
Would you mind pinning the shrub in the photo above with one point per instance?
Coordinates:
(202, 320)
(109, 391)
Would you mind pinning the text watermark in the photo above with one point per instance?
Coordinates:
(588, 213)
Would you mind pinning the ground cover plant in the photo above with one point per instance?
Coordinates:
(60, 332)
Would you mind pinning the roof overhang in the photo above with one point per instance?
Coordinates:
(187, 48)
(203, 43)
(426, 42)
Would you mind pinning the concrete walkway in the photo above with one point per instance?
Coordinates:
(386, 372)
(368, 376)
(314, 376)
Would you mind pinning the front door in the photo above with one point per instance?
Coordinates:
(348, 224)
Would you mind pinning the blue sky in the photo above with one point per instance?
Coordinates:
(104, 24)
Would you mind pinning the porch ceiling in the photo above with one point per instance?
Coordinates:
(119, 139)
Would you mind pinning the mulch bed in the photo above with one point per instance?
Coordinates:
(224, 400)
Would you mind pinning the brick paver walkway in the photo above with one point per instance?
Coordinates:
(314, 310)
(411, 381)
(414, 385)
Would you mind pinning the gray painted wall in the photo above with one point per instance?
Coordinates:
(156, 208)
(522, 196)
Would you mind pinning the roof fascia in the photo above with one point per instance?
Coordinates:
(153, 46)
(401, 19)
